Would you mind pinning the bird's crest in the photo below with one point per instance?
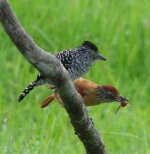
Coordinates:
(90, 45)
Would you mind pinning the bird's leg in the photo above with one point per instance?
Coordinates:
(51, 87)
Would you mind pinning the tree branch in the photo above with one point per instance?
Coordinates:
(54, 73)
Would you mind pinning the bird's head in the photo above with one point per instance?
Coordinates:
(92, 51)
(107, 93)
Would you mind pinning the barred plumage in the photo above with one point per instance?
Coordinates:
(76, 61)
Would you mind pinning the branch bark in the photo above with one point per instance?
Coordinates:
(54, 73)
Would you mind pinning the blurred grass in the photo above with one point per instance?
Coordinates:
(121, 30)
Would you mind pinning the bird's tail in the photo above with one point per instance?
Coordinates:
(27, 90)
(48, 100)
(30, 87)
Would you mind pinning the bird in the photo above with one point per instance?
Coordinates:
(91, 93)
(77, 62)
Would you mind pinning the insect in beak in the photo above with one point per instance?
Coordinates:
(123, 102)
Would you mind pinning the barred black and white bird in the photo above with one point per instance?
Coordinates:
(76, 61)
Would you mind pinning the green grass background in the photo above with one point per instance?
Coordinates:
(121, 30)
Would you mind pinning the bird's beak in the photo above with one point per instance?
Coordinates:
(100, 57)
(122, 100)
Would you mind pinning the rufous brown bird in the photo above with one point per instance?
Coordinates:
(92, 94)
